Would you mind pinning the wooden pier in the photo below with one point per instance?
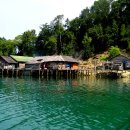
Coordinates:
(68, 73)
(113, 73)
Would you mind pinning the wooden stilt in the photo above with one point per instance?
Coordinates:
(16, 72)
(39, 72)
(2, 72)
(67, 74)
(47, 73)
(42, 72)
(12, 72)
(7, 72)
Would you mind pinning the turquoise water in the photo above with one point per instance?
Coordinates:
(75, 104)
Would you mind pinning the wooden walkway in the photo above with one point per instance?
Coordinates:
(113, 73)
(64, 72)
(47, 72)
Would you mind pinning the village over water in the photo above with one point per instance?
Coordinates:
(61, 65)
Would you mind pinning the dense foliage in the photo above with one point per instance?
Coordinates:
(114, 51)
(7, 47)
(105, 24)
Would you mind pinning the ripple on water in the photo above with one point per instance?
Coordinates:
(64, 104)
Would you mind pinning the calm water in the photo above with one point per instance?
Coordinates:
(83, 104)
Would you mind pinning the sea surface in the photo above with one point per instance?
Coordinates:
(64, 104)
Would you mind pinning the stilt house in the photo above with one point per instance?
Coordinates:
(52, 62)
(21, 60)
(7, 62)
(120, 62)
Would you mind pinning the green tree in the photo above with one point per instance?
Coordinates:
(114, 51)
(87, 48)
(68, 42)
(97, 34)
(7, 47)
(100, 10)
(58, 28)
(43, 38)
(75, 29)
(18, 42)
(51, 45)
(26, 42)
(125, 39)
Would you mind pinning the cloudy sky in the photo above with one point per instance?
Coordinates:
(17, 16)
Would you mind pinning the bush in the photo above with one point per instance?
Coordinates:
(103, 58)
(114, 51)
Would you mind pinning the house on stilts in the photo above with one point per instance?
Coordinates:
(52, 64)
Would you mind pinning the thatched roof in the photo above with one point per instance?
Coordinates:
(54, 58)
(8, 59)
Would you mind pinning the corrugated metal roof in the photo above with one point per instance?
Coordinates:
(54, 58)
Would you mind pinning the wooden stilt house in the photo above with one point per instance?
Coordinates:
(120, 62)
(53, 62)
(21, 60)
(7, 62)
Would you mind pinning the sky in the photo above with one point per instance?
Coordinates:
(18, 16)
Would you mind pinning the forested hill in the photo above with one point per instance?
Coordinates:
(106, 23)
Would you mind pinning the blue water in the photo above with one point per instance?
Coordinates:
(74, 104)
